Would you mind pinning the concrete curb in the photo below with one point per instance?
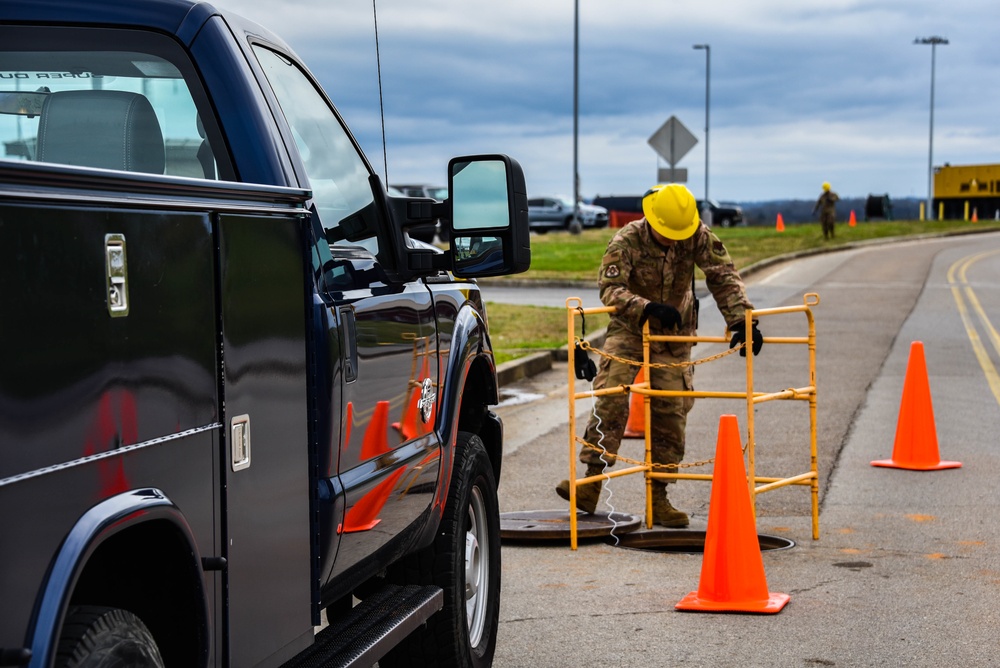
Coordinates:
(523, 367)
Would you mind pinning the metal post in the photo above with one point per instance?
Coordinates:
(933, 41)
(576, 109)
(708, 78)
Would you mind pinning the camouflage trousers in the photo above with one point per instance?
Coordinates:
(668, 415)
(827, 220)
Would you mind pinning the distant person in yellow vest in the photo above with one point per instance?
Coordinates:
(827, 207)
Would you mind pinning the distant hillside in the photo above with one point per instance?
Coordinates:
(800, 211)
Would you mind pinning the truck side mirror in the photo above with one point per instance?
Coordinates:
(488, 222)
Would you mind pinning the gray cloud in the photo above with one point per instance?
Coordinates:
(801, 92)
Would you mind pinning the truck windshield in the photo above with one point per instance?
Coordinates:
(338, 175)
(113, 99)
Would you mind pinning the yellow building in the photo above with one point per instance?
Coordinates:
(961, 190)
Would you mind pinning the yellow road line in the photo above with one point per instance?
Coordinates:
(960, 285)
(974, 301)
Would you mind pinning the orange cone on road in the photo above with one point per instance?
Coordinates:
(916, 446)
(780, 225)
(636, 426)
(732, 570)
(853, 221)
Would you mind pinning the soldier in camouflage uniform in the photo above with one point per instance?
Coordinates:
(647, 273)
(827, 207)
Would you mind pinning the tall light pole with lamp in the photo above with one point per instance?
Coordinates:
(708, 78)
(933, 41)
(576, 115)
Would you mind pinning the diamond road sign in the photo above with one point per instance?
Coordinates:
(672, 141)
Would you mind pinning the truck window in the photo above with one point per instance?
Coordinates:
(338, 175)
(113, 99)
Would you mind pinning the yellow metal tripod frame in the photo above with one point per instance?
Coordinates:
(756, 484)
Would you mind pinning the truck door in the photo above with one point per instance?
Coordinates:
(382, 405)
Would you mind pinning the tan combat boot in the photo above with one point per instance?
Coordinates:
(586, 495)
(664, 513)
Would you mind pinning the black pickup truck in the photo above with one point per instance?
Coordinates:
(244, 417)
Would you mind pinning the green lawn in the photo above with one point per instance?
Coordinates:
(517, 330)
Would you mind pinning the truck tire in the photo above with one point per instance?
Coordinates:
(725, 222)
(99, 637)
(464, 561)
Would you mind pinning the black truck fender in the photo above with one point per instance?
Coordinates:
(96, 555)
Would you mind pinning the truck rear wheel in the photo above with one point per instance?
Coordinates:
(99, 637)
(465, 562)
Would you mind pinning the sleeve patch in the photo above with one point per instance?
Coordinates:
(612, 271)
(718, 248)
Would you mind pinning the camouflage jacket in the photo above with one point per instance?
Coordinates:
(827, 203)
(637, 270)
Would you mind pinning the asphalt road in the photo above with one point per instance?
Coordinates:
(907, 568)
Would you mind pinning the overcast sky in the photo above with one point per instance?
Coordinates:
(801, 92)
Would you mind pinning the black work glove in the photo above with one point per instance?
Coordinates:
(740, 336)
(584, 366)
(669, 317)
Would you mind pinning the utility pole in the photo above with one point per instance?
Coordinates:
(933, 41)
(576, 114)
(708, 78)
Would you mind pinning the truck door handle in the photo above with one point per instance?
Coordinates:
(116, 268)
(350, 339)
(239, 446)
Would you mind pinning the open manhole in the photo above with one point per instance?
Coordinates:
(538, 525)
(688, 542)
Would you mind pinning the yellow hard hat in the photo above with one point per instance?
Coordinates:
(826, 185)
(671, 210)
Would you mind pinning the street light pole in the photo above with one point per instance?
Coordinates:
(708, 78)
(576, 112)
(933, 41)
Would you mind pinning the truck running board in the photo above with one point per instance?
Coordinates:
(372, 627)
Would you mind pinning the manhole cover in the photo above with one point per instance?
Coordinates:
(554, 525)
(690, 542)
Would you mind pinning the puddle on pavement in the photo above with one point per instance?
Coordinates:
(512, 397)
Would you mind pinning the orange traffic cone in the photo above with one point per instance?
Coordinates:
(732, 570)
(375, 444)
(780, 225)
(363, 515)
(975, 216)
(348, 421)
(916, 446)
(636, 427)
(853, 220)
(408, 427)
(412, 424)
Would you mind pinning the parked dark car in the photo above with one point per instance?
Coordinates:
(623, 203)
(723, 214)
(556, 213)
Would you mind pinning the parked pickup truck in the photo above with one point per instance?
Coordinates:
(244, 418)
